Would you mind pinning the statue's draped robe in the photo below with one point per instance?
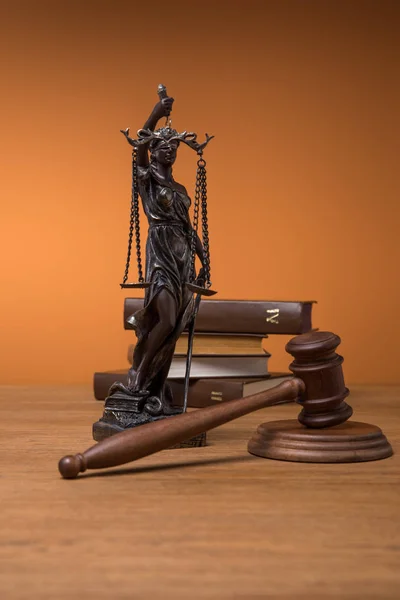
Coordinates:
(166, 206)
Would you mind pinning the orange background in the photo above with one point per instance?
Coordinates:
(303, 100)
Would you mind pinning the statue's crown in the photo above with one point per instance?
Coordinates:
(168, 134)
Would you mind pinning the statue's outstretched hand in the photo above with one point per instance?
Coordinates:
(163, 108)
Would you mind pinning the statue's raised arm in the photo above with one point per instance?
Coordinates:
(162, 109)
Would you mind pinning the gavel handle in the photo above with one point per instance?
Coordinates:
(147, 439)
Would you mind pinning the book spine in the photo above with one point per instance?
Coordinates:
(200, 345)
(202, 392)
(211, 367)
(235, 316)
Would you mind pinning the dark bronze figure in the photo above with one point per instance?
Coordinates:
(170, 275)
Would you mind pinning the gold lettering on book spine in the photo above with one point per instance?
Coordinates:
(216, 396)
(274, 316)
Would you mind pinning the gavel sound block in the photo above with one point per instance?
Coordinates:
(322, 432)
(323, 435)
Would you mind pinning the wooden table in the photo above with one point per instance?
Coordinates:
(194, 523)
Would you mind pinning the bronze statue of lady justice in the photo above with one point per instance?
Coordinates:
(173, 289)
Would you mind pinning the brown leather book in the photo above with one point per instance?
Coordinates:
(244, 316)
(202, 392)
(216, 344)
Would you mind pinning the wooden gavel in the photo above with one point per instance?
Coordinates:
(318, 385)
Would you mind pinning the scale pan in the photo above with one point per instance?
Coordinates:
(134, 285)
(198, 289)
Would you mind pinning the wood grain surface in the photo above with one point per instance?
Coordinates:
(211, 522)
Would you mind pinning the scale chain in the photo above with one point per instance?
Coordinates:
(204, 223)
(195, 225)
(134, 223)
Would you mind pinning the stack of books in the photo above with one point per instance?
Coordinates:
(228, 357)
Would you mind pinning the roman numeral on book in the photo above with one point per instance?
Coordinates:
(274, 318)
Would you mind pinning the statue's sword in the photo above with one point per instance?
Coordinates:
(191, 329)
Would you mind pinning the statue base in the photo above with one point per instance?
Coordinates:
(122, 411)
(345, 443)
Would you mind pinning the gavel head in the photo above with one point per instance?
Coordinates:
(320, 368)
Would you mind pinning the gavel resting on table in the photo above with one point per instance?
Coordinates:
(321, 433)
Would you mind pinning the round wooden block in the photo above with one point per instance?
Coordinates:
(348, 442)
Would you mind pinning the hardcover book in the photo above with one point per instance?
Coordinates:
(216, 344)
(202, 392)
(220, 366)
(244, 316)
(221, 343)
